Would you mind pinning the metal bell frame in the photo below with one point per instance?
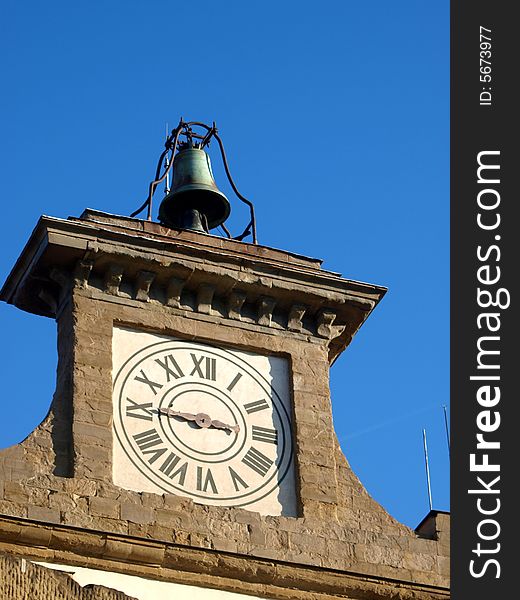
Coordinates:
(165, 164)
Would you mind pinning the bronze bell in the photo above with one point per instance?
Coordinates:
(194, 201)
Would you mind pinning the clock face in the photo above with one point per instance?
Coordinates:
(209, 423)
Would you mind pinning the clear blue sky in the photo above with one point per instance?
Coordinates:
(335, 118)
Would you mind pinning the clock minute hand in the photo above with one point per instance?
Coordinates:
(201, 419)
(175, 413)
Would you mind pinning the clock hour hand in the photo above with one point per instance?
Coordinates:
(201, 419)
(220, 425)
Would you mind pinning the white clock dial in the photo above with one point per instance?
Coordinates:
(209, 423)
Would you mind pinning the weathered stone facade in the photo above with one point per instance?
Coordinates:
(57, 499)
(21, 579)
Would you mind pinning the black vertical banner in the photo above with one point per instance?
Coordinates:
(485, 259)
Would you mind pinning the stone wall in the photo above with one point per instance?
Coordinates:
(20, 580)
(58, 481)
(340, 526)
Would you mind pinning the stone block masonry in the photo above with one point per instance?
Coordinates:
(58, 502)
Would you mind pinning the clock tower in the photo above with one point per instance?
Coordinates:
(189, 449)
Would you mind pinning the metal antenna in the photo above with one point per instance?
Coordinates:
(447, 430)
(427, 468)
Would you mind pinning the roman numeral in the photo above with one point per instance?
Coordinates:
(234, 382)
(264, 434)
(133, 408)
(208, 481)
(174, 371)
(169, 465)
(151, 384)
(210, 367)
(237, 480)
(147, 440)
(255, 406)
(257, 461)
